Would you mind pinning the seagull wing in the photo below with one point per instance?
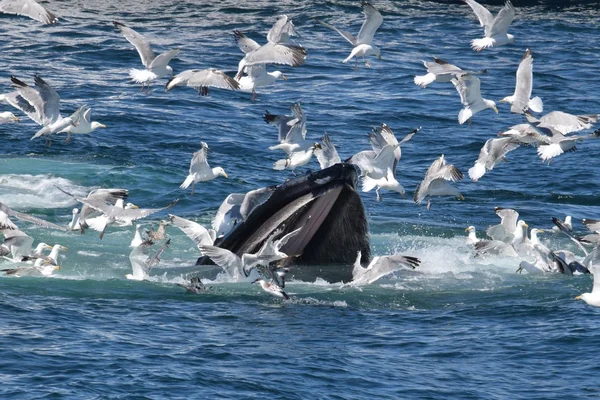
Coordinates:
(224, 258)
(524, 84)
(485, 17)
(440, 67)
(346, 35)
(199, 163)
(276, 53)
(211, 77)
(193, 230)
(132, 214)
(29, 218)
(162, 60)
(566, 123)
(327, 154)
(468, 87)
(281, 121)
(502, 21)
(28, 8)
(139, 42)
(245, 44)
(369, 27)
(281, 31)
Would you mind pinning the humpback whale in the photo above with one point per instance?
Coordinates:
(330, 213)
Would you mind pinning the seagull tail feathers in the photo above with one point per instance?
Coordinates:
(141, 75)
(536, 105)
(280, 164)
(188, 181)
(424, 80)
(480, 44)
(368, 184)
(464, 115)
(44, 131)
(477, 171)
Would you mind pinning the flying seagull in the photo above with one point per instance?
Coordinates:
(156, 66)
(362, 42)
(495, 29)
(200, 171)
(521, 100)
(468, 87)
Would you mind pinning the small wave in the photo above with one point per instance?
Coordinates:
(38, 191)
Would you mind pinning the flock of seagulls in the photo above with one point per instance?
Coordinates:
(102, 208)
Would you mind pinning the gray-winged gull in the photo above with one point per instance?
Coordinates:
(521, 99)
(379, 267)
(495, 29)
(468, 87)
(200, 171)
(326, 153)
(156, 66)
(436, 182)
(362, 42)
(493, 152)
(440, 71)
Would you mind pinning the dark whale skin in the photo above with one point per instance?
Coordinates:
(325, 203)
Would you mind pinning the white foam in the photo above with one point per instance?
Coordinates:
(38, 191)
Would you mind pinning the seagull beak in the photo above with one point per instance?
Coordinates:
(48, 247)
(466, 229)
(16, 119)
(134, 206)
(578, 298)
(102, 126)
(284, 77)
(56, 267)
(503, 101)
(541, 231)
(225, 175)
(64, 248)
(496, 109)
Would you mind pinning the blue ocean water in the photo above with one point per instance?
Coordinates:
(458, 327)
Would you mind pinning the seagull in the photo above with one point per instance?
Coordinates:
(492, 152)
(376, 165)
(202, 80)
(85, 126)
(41, 267)
(238, 267)
(138, 258)
(137, 237)
(200, 171)
(472, 235)
(25, 217)
(435, 182)
(272, 288)
(28, 8)
(257, 75)
(278, 50)
(495, 29)
(525, 134)
(384, 162)
(292, 130)
(109, 196)
(326, 153)
(567, 223)
(362, 42)
(440, 71)
(160, 233)
(195, 286)
(296, 159)
(156, 66)
(593, 298)
(379, 267)
(120, 214)
(468, 87)
(505, 230)
(7, 117)
(42, 104)
(562, 122)
(521, 100)
(228, 215)
(196, 232)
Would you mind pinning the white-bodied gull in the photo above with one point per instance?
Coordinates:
(495, 29)
(521, 99)
(200, 171)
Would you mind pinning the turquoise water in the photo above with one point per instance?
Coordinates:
(458, 327)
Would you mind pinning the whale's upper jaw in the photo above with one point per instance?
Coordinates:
(322, 203)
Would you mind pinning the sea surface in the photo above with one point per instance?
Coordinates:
(457, 327)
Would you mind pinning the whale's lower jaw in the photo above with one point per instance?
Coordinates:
(334, 225)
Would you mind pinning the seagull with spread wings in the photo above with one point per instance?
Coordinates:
(495, 29)
(468, 87)
(200, 171)
(156, 66)
(362, 42)
(436, 182)
(521, 99)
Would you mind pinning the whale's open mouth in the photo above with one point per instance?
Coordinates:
(325, 205)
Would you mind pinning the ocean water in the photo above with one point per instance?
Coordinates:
(457, 327)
